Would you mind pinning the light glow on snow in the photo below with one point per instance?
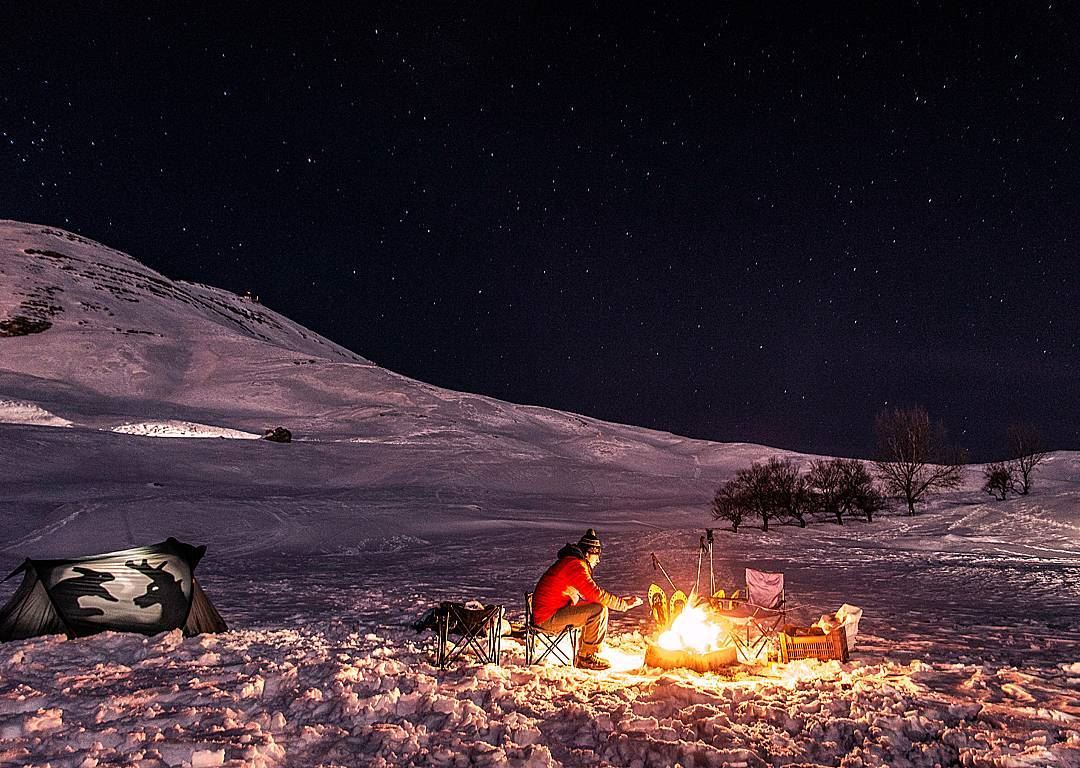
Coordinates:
(620, 660)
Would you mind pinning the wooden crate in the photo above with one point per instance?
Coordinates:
(823, 647)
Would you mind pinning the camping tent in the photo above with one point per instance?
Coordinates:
(146, 589)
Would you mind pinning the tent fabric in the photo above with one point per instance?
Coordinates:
(203, 616)
(144, 589)
(29, 612)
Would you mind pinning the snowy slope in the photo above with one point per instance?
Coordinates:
(103, 339)
(104, 344)
(396, 494)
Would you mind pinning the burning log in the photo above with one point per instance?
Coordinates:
(655, 656)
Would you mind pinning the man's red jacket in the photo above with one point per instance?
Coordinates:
(568, 582)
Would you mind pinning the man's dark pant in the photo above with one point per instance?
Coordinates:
(592, 616)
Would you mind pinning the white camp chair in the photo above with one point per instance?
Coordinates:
(765, 590)
(757, 620)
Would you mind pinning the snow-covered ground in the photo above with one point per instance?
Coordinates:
(396, 494)
(966, 657)
(175, 428)
(21, 412)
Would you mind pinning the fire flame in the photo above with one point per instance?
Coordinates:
(693, 630)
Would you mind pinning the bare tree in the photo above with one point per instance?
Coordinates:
(1025, 453)
(842, 487)
(731, 504)
(755, 484)
(824, 481)
(768, 491)
(913, 457)
(788, 491)
(999, 480)
(758, 492)
(860, 494)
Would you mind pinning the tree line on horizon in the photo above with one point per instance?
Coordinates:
(914, 460)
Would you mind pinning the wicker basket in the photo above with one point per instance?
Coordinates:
(823, 647)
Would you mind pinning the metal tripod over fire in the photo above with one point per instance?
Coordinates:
(686, 634)
(678, 597)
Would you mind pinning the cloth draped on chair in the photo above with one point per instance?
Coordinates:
(764, 589)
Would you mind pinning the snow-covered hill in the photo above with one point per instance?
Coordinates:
(396, 494)
(100, 344)
(94, 333)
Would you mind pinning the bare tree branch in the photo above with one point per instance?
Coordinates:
(999, 480)
(1025, 453)
(843, 487)
(768, 491)
(913, 456)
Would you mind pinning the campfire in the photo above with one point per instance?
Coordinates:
(690, 634)
(694, 639)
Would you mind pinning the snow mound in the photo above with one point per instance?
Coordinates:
(22, 412)
(173, 428)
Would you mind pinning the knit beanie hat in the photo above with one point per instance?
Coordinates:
(589, 541)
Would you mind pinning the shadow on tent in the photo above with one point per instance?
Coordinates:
(144, 589)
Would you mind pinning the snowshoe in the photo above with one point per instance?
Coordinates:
(658, 604)
(678, 602)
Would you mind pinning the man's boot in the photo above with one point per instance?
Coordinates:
(591, 661)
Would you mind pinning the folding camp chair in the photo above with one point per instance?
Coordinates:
(722, 601)
(765, 597)
(550, 643)
(479, 630)
(756, 621)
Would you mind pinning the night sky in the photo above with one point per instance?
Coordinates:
(753, 223)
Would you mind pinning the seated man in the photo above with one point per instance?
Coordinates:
(566, 594)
